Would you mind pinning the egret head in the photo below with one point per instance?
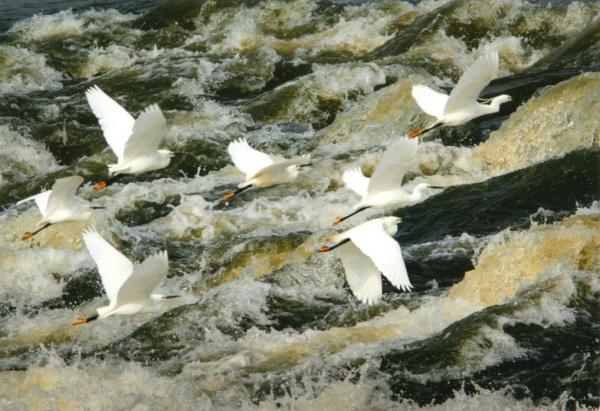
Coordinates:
(165, 157)
(390, 224)
(293, 171)
(502, 98)
(166, 153)
(420, 187)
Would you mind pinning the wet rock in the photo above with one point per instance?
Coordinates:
(560, 120)
(505, 268)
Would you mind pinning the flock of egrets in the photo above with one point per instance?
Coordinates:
(367, 250)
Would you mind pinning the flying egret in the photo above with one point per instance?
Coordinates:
(134, 142)
(260, 169)
(128, 287)
(60, 204)
(384, 188)
(462, 105)
(368, 250)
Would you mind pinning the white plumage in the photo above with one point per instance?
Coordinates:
(260, 168)
(134, 142)
(60, 204)
(246, 159)
(461, 105)
(129, 287)
(370, 251)
(384, 188)
(356, 181)
(430, 101)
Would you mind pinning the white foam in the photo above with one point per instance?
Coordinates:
(257, 67)
(359, 29)
(40, 27)
(23, 71)
(103, 59)
(363, 30)
(21, 156)
(333, 81)
(28, 275)
(66, 23)
(93, 384)
(326, 82)
(464, 244)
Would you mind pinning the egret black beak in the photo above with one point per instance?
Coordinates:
(326, 248)
(83, 320)
(97, 207)
(29, 234)
(338, 220)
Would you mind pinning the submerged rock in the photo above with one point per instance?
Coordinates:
(508, 267)
(562, 119)
(391, 108)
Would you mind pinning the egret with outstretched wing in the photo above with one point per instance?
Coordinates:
(129, 287)
(60, 204)
(384, 188)
(367, 251)
(260, 169)
(134, 142)
(461, 106)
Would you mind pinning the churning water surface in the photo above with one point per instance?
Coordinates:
(505, 311)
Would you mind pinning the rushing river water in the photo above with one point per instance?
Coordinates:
(505, 262)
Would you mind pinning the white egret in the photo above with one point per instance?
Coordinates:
(462, 105)
(260, 168)
(129, 288)
(368, 250)
(134, 142)
(60, 204)
(384, 188)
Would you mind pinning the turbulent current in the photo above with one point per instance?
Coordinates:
(505, 261)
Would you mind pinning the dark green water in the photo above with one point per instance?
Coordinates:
(264, 322)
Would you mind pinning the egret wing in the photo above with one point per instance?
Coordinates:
(63, 192)
(114, 267)
(363, 277)
(248, 160)
(372, 239)
(41, 200)
(298, 161)
(145, 278)
(148, 131)
(393, 165)
(116, 123)
(355, 180)
(430, 101)
(472, 82)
